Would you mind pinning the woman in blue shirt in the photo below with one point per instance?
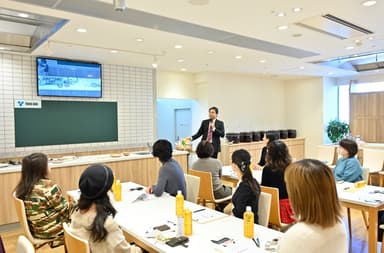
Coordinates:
(348, 168)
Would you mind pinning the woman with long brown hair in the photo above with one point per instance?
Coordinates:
(278, 159)
(45, 205)
(312, 190)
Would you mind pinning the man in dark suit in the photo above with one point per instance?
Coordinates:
(211, 129)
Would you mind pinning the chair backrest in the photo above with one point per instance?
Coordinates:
(327, 154)
(2, 248)
(274, 217)
(24, 245)
(193, 187)
(20, 210)
(373, 159)
(73, 243)
(206, 188)
(264, 208)
(365, 174)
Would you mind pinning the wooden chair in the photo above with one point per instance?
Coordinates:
(193, 187)
(206, 189)
(274, 217)
(20, 210)
(264, 210)
(327, 154)
(373, 159)
(73, 243)
(24, 245)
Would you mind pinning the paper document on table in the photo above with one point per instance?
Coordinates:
(372, 197)
(205, 215)
(237, 246)
(133, 196)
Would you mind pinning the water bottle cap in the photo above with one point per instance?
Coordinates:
(248, 209)
(178, 192)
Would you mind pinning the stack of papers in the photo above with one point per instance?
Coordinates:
(205, 215)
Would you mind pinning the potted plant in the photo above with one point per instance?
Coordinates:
(337, 130)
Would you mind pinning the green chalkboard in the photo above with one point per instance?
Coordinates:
(66, 122)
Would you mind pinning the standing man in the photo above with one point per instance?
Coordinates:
(211, 129)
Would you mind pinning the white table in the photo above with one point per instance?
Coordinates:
(229, 175)
(366, 200)
(138, 218)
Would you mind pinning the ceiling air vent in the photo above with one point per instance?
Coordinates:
(334, 26)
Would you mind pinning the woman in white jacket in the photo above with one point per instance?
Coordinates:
(312, 191)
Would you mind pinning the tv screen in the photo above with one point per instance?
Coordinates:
(68, 78)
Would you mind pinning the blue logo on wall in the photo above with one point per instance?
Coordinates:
(20, 103)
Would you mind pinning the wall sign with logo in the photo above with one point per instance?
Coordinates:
(21, 103)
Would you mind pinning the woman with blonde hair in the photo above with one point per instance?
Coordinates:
(312, 191)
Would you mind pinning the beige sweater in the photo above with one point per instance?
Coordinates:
(113, 243)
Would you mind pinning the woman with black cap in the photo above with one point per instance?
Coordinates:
(93, 220)
(248, 191)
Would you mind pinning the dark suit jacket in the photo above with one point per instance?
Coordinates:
(219, 132)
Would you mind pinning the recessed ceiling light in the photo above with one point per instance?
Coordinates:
(113, 51)
(349, 47)
(154, 65)
(297, 9)
(23, 15)
(330, 73)
(370, 38)
(355, 55)
(210, 52)
(301, 67)
(180, 60)
(81, 30)
(282, 27)
(368, 3)
(183, 69)
(139, 39)
(178, 46)
(238, 57)
(262, 61)
(280, 14)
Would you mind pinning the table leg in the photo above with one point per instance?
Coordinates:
(349, 227)
(372, 230)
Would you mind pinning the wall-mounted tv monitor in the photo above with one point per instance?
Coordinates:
(68, 78)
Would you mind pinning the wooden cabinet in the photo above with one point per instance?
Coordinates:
(296, 148)
(142, 171)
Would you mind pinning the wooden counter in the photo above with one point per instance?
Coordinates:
(139, 169)
(296, 148)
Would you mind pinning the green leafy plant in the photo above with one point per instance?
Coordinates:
(337, 130)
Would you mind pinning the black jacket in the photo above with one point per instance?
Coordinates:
(219, 132)
(244, 197)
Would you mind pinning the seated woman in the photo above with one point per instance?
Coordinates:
(208, 164)
(348, 168)
(45, 206)
(267, 138)
(171, 176)
(248, 191)
(319, 228)
(93, 220)
(278, 159)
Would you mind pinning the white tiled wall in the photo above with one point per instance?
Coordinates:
(131, 87)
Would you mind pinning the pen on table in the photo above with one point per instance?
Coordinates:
(199, 210)
(257, 241)
(170, 222)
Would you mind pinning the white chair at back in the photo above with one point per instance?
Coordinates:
(264, 208)
(193, 186)
(24, 245)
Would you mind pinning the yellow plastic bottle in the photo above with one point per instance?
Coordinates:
(248, 222)
(117, 191)
(187, 222)
(114, 184)
(179, 204)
